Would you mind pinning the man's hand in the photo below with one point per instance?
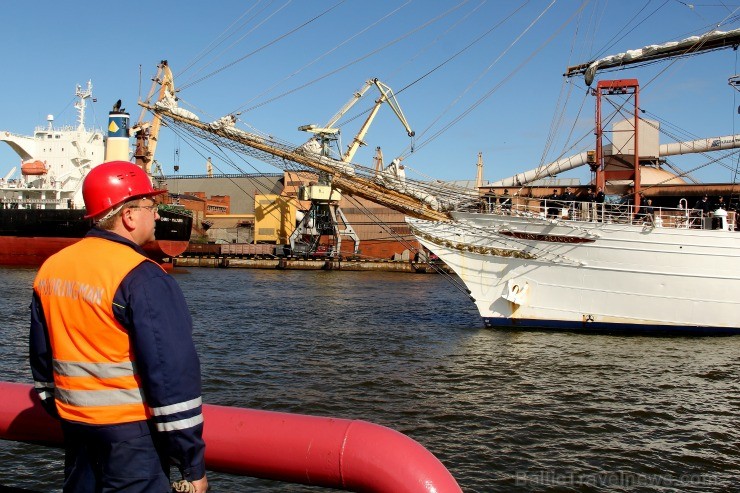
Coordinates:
(201, 485)
(185, 486)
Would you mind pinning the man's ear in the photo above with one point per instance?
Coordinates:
(128, 219)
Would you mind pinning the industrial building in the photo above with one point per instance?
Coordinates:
(265, 209)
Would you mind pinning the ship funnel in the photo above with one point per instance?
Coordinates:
(117, 144)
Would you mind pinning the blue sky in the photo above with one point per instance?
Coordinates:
(288, 63)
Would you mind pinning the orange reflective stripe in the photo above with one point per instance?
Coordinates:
(93, 361)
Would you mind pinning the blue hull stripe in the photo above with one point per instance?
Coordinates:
(609, 328)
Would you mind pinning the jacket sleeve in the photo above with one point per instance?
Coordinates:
(150, 304)
(40, 357)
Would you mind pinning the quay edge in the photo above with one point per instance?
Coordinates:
(287, 263)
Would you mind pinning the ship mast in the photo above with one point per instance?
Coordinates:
(80, 104)
(424, 200)
(278, 154)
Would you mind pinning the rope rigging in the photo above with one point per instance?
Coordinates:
(415, 146)
(197, 145)
(449, 199)
(223, 37)
(322, 56)
(431, 199)
(454, 56)
(368, 212)
(263, 47)
(617, 38)
(506, 79)
(356, 60)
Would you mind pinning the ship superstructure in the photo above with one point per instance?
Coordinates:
(53, 162)
(41, 205)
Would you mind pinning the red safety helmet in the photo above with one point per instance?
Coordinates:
(113, 183)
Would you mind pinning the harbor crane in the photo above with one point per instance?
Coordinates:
(147, 133)
(324, 214)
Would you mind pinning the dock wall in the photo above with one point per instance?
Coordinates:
(290, 263)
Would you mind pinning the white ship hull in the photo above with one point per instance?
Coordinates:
(522, 272)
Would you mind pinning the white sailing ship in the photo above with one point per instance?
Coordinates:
(609, 273)
(601, 267)
(596, 267)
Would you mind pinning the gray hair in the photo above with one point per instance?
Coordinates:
(108, 220)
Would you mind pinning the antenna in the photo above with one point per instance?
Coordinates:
(80, 105)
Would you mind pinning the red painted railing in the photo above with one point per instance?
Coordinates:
(335, 453)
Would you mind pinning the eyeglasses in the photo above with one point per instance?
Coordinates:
(151, 208)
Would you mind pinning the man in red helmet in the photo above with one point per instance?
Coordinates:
(111, 348)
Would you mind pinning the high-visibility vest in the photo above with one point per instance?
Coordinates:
(95, 375)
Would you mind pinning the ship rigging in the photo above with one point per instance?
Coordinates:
(607, 267)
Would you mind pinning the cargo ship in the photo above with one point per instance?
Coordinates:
(42, 210)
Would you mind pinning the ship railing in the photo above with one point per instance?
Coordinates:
(18, 200)
(64, 128)
(34, 203)
(7, 134)
(610, 213)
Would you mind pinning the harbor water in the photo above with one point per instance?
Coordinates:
(503, 410)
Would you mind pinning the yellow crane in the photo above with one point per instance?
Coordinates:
(147, 133)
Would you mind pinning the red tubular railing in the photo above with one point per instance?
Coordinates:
(335, 453)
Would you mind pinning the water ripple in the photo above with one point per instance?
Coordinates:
(503, 410)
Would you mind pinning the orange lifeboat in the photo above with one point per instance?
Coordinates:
(33, 168)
